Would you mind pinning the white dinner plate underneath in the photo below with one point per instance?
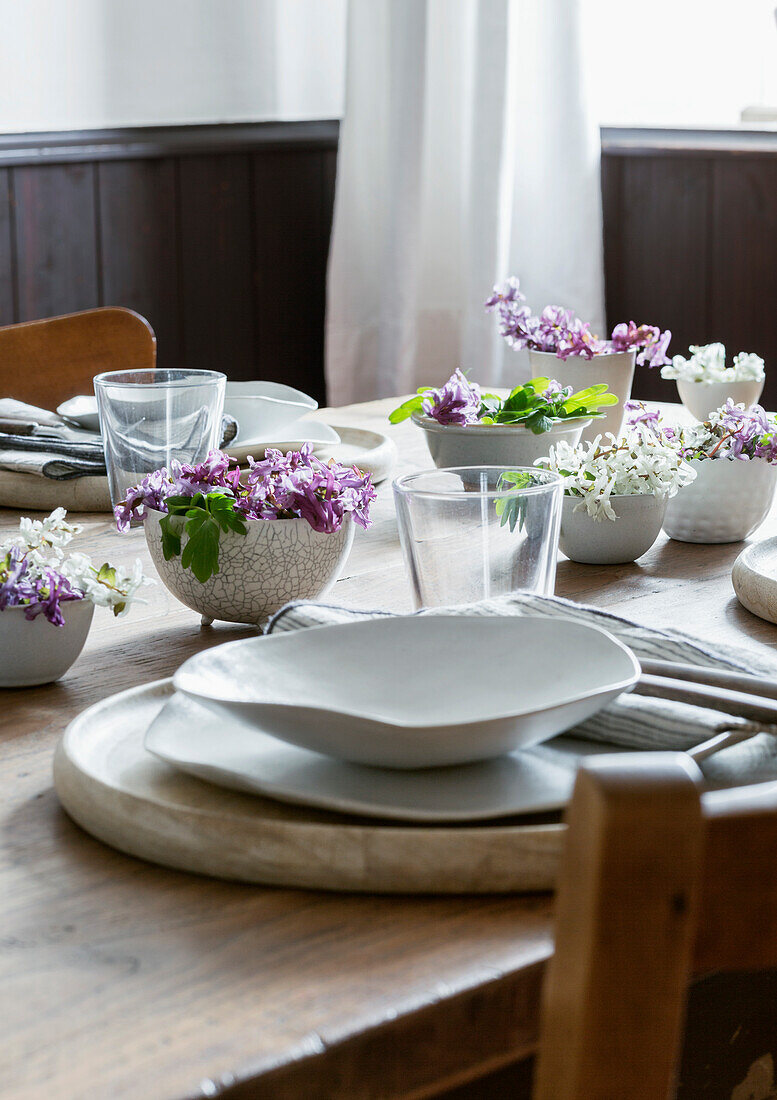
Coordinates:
(239, 756)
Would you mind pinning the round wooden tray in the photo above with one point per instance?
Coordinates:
(127, 798)
(754, 577)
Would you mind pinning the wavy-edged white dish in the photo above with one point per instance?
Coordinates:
(237, 755)
(265, 408)
(415, 692)
(288, 438)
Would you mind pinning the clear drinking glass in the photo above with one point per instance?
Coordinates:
(474, 532)
(148, 417)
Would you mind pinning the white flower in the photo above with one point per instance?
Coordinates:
(708, 364)
(632, 466)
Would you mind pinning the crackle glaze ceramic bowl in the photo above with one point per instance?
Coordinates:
(274, 562)
(34, 651)
(452, 445)
(703, 398)
(728, 500)
(616, 368)
(611, 542)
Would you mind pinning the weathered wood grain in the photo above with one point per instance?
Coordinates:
(122, 979)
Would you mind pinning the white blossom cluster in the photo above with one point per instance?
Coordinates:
(43, 543)
(630, 466)
(708, 364)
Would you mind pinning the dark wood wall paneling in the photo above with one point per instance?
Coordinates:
(219, 235)
(690, 239)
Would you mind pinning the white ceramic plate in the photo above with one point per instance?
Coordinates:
(81, 410)
(289, 438)
(237, 755)
(265, 408)
(754, 577)
(416, 692)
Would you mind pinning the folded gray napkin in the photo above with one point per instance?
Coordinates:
(631, 721)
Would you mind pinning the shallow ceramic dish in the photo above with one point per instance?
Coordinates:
(264, 408)
(754, 577)
(416, 692)
(288, 438)
(237, 755)
(81, 410)
(703, 398)
(453, 445)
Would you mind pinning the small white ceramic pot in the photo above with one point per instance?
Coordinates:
(616, 368)
(726, 502)
(274, 562)
(34, 651)
(703, 398)
(453, 445)
(608, 541)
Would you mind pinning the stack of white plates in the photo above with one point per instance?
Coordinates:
(435, 718)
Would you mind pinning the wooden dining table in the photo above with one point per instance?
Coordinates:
(119, 978)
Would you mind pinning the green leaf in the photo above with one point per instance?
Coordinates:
(201, 553)
(415, 404)
(171, 539)
(106, 574)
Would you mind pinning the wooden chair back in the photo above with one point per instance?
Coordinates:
(658, 884)
(46, 362)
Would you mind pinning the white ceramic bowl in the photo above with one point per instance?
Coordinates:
(415, 691)
(703, 398)
(274, 562)
(494, 444)
(82, 410)
(262, 408)
(34, 651)
(607, 541)
(727, 501)
(616, 368)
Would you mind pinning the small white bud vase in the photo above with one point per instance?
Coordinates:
(36, 652)
(274, 562)
(616, 368)
(703, 398)
(611, 542)
(728, 500)
(494, 444)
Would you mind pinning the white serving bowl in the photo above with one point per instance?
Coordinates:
(728, 500)
(274, 562)
(415, 691)
(263, 408)
(616, 368)
(703, 398)
(494, 444)
(607, 541)
(34, 651)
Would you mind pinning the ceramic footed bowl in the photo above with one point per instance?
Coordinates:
(34, 651)
(727, 501)
(703, 398)
(612, 542)
(276, 561)
(616, 368)
(452, 445)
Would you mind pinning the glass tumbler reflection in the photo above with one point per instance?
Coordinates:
(471, 533)
(149, 417)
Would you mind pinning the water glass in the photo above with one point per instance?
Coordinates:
(149, 417)
(474, 532)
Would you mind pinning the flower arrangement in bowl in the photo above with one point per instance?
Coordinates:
(48, 596)
(557, 336)
(705, 383)
(615, 495)
(236, 544)
(734, 454)
(465, 427)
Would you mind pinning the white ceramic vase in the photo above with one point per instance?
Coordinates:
(607, 541)
(703, 398)
(453, 445)
(727, 501)
(34, 651)
(274, 562)
(616, 368)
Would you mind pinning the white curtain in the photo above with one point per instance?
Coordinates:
(466, 154)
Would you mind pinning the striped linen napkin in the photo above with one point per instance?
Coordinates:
(631, 721)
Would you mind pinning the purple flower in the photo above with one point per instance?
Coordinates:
(43, 594)
(637, 413)
(555, 392)
(150, 493)
(457, 402)
(649, 338)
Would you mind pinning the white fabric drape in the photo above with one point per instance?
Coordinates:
(466, 154)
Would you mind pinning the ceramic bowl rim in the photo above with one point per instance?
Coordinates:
(386, 724)
(429, 424)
